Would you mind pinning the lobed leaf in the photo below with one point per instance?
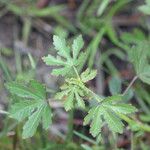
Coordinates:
(113, 121)
(123, 108)
(46, 117)
(139, 56)
(89, 116)
(51, 60)
(73, 93)
(61, 47)
(31, 125)
(80, 101)
(33, 106)
(88, 75)
(97, 123)
(38, 88)
(109, 111)
(68, 104)
(77, 46)
(23, 109)
(34, 90)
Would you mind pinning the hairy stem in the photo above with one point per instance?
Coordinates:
(129, 86)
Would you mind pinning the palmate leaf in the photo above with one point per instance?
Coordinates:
(74, 90)
(107, 110)
(65, 58)
(139, 56)
(33, 106)
(72, 93)
(73, 98)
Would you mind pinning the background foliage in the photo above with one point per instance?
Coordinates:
(99, 66)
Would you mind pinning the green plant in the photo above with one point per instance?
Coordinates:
(74, 92)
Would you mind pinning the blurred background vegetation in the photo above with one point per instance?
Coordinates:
(109, 28)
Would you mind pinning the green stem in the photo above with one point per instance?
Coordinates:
(132, 141)
(4, 67)
(26, 30)
(18, 62)
(70, 126)
(141, 126)
(42, 136)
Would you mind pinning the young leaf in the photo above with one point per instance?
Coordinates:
(62, 94)
(73, 92)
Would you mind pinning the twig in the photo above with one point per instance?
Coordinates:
(129, 86)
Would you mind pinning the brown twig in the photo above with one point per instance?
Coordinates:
(42, 3)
